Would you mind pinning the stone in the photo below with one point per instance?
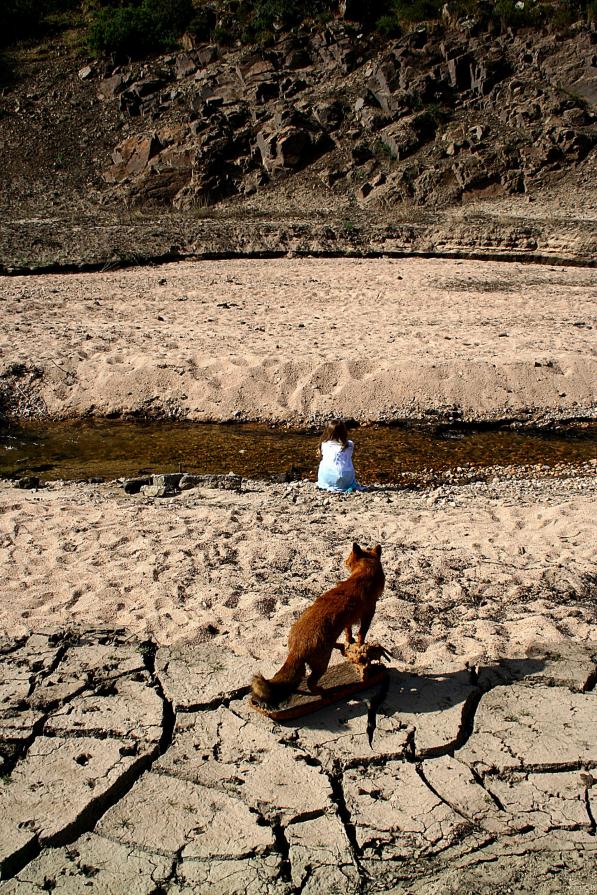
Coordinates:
(330, 176)
(228, 482)
(133, 486)
(111, 87)
(361, 153)
(487, 70)
(149, 86)
(131, 157)
(207, 54)
(256, 68)
(266, 91)
(408, 135)
(331, 114)
(290, 141)
(85, 73)
(167, 480)
(459, 71)
(185, 66)
(364, 190)
(157, 491)
(158, 187)
(91, 862)
(28, 482)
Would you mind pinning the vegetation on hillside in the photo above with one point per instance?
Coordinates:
(134, 28)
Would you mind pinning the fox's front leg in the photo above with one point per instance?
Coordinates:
(366, 620)
(348, 634)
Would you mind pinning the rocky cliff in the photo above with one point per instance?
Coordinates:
(452, 138)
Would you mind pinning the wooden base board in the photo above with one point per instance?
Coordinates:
(339, 682)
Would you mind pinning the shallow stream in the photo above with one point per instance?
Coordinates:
(110, 449)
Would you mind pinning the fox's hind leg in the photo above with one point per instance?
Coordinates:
(348, 634)
(318, 667)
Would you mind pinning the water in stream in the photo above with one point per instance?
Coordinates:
(110, 449)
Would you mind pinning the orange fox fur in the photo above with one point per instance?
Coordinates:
(313, 635)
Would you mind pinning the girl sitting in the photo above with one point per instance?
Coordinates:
(336, 472)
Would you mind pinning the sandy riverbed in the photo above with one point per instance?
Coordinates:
(477, 572)
(486, 571)
(480, 569)
(295, 340)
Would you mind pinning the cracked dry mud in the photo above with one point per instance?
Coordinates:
(134, 768)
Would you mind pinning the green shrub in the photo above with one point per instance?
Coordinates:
(203, 23)
(565, 12)
(137, 29)
(417, 10)
(262, 17)
(389, 26)
(517, 13)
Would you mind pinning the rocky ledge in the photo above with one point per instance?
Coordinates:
(452, 139)
(145, 770)
(446, 112)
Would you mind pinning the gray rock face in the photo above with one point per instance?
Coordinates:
(447, 71)
(133, 772)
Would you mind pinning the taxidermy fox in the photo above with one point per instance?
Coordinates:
(313, 635)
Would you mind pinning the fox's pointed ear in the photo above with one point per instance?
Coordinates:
(377, 550)
(356, 549)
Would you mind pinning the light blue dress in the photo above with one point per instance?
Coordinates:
(336, 472)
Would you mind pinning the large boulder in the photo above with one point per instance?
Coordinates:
(404, 137)
(290, 141)
(132, 156)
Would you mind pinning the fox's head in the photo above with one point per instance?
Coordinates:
(363, 554)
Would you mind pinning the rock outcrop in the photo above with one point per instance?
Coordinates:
(437, 116)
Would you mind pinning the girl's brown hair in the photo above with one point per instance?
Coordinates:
(336, 431)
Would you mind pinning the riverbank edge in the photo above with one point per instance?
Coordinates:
(450, 235)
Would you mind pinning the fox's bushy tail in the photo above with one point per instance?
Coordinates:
(281, 685)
